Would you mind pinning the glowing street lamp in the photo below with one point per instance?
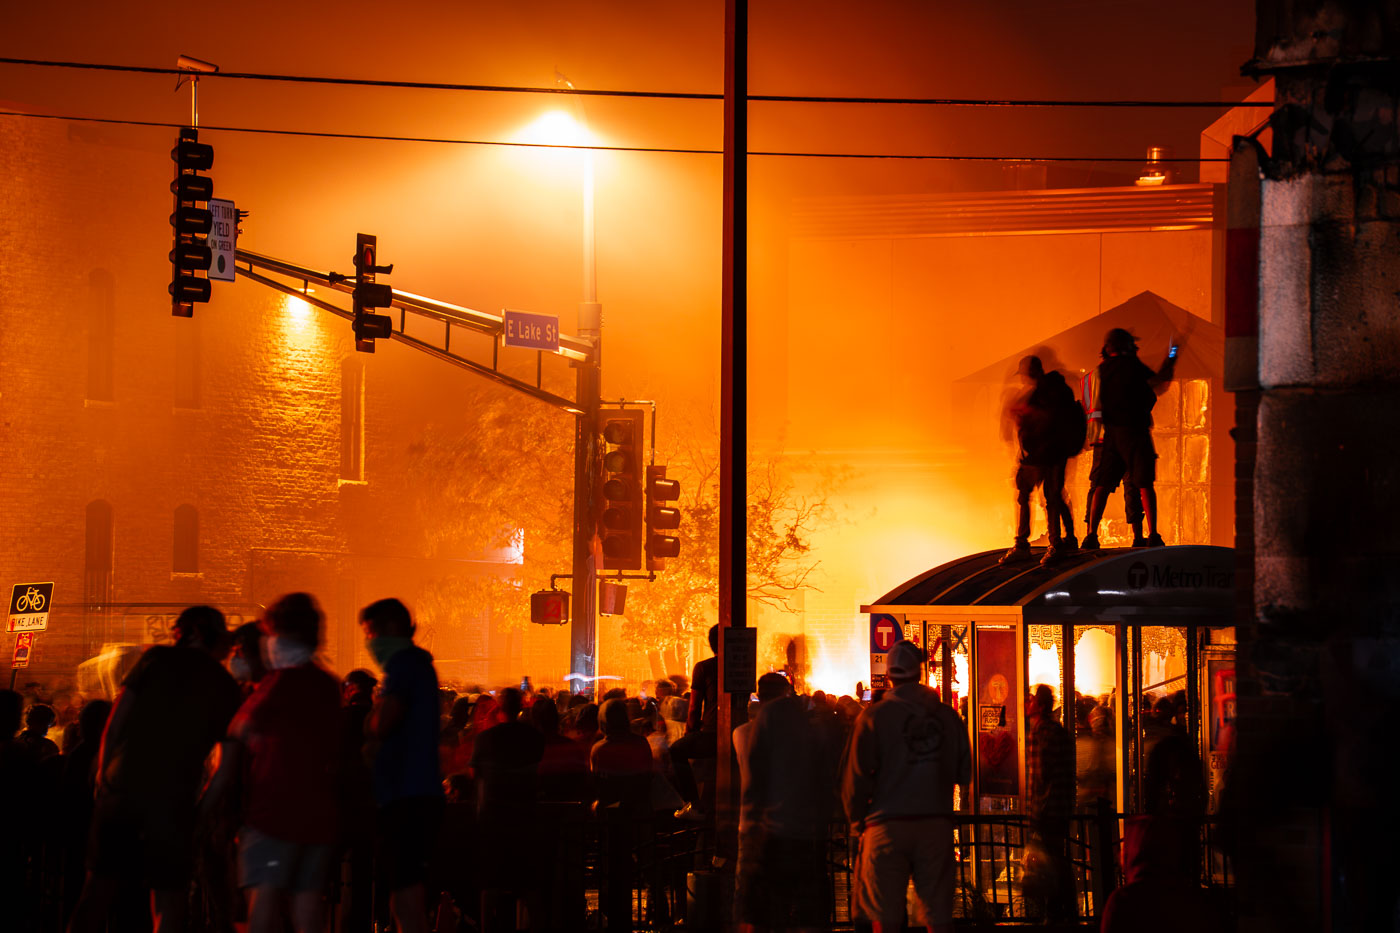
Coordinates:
(558, 128)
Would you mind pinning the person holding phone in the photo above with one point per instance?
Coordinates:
(1127, 391)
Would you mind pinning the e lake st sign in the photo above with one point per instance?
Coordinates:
(530, 331)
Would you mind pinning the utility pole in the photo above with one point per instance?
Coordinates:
(733, 438)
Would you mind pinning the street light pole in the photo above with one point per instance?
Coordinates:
(583, 636)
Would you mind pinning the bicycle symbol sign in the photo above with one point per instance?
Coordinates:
(29, 607)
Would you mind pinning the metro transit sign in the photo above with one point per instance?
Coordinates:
(885, 630)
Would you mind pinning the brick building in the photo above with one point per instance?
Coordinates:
(157, 461)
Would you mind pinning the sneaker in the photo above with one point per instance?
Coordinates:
(1139, 541)
(1018, 553)
(1053, 554)
(1155, 540)
(1090, 543)
(1069, 543)
(690, 813)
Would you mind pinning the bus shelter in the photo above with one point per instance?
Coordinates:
(1135, 644)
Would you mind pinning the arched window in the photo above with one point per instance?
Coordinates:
(101, 308)
(97, 566)
(186, 540)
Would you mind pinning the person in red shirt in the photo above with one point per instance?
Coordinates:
(287, 742)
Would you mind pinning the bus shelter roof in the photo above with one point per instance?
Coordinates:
(1182, 585)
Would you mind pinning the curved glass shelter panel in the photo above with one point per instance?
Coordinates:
(1136, 646)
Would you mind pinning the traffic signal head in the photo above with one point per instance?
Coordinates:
(621, 520)
(369, 327)
(661, 517)
(191, 221)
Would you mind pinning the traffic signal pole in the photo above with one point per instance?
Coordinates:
(583, 625)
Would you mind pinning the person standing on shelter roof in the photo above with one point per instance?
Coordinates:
(1127, 391)
(1050, 429)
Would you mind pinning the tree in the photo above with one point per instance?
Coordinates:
(681, 604)
(499, 491)
(509, 480)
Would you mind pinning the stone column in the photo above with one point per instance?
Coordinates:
(1318, 756)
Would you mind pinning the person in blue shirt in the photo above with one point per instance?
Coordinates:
(401, 736)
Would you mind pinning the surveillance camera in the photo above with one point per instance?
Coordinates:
(188, 63)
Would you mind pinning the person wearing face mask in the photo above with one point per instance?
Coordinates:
(286, 742)
(402, 744)
(245, 663)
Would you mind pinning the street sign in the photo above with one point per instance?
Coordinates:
(740, 646)
(531, 331)
(29, 607)
(24, 645)
(223, 239)
(884, 632)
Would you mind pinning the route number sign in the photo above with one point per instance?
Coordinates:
(24, 647)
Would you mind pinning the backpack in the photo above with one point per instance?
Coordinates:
(1069, 426)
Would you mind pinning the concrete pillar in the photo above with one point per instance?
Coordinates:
(1317, 760)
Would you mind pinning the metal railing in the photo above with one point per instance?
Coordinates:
(661, 873)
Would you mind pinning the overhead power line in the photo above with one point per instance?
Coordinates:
(653, 95)
(316, 134)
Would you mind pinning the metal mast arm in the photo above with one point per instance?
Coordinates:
(576, 349)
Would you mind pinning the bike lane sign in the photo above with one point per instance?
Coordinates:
(29, 607)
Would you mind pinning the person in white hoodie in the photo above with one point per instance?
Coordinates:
(905, 755)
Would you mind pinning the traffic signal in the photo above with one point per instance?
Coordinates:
(370, 327)
(191, 221)
(661, 517)
(621, 529)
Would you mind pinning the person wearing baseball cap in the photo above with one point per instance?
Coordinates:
(906, 754)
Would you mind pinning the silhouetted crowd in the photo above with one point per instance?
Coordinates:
(236, 783)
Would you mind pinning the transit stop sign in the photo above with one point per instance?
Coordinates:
(885, 630)
(29, 607)
(24, 646)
